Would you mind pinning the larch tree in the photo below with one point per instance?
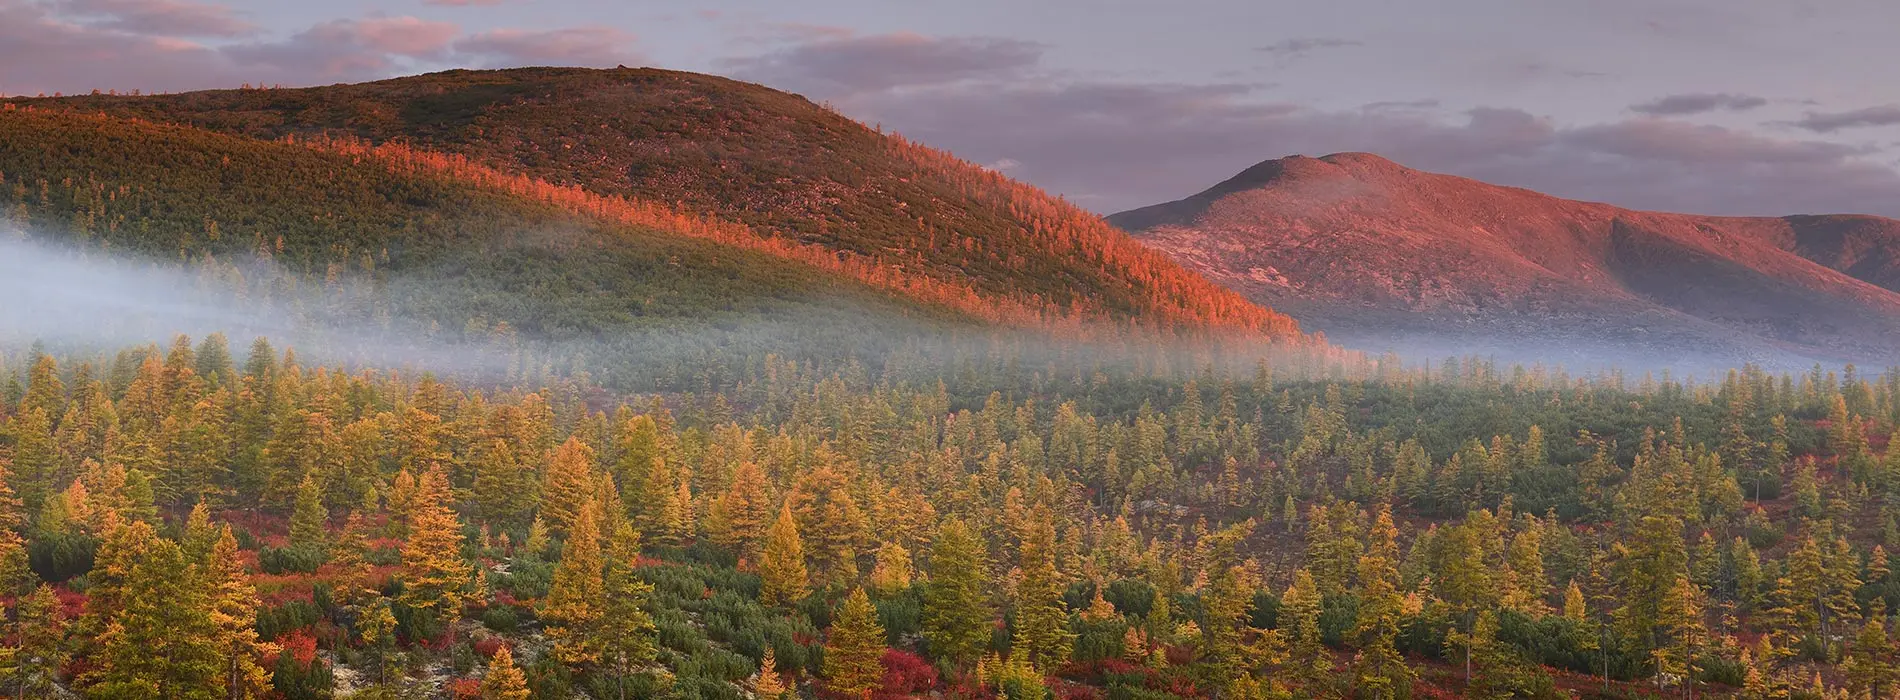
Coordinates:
(625, 636)
(308, 518)
(745, 511)
(504, 680)
(1308, 661)
(39, 650)
(893, 571)
(854, 647)
(1379, 668)
(766, 684)
(158, 637)
(15, 572)
(434, 572)
(782, 563)
(1226, 599)
(957, 617)
(234, 612)
(1042, 618)
(568, 486)
(577, 596)
(505, 489)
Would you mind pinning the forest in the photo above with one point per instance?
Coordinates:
(180, 522)
(729, 397)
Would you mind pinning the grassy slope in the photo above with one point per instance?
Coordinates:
(457, 251)
(750, 154)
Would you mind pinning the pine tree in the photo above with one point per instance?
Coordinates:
(434, 571)
(854, 647)
(957, 619)
(782, 563)
(625, 635)
(575, 600)
(504, 681)
(1042, 618)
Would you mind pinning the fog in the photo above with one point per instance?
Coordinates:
(94, 301)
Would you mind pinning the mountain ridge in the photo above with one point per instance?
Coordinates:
(1353, 244)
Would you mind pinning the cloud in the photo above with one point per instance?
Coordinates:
(853, 64)
(158, 17)
(1829, 122)
(463, 3)
(149, 45)
(350, 49)
(90, 57)
(1118, 145)
(1698, 103)
(1291, 50)
(593, 47)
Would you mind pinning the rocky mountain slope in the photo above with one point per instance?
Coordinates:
(1380, 256)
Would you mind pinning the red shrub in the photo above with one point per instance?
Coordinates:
(487, 646)
(906, 674)
(465, 688)
(1076, 691)
(71, 603)
(301, 647)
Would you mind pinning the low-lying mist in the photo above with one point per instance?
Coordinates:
(88, 300)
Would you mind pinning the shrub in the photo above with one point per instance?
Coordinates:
(501, 618)
(274, 622)
(1131, 597)
(301, 559)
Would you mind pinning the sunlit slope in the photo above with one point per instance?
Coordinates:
(749, 154)
(438, 247)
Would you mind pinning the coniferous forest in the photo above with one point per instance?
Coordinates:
(194, 521)
(458, 418)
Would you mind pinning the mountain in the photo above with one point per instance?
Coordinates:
(1380, 256)
(345, 236)
(789, 169)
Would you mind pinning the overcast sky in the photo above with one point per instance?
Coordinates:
(1708, 106)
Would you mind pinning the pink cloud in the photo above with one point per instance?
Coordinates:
(595, 47)
(157, 17)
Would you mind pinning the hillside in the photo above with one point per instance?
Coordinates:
(344, 235)
(744, 153)
(1384, 256)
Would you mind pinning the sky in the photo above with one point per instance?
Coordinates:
(1740, 107)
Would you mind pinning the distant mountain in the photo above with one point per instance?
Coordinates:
(906, 217)
(1380, 256)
